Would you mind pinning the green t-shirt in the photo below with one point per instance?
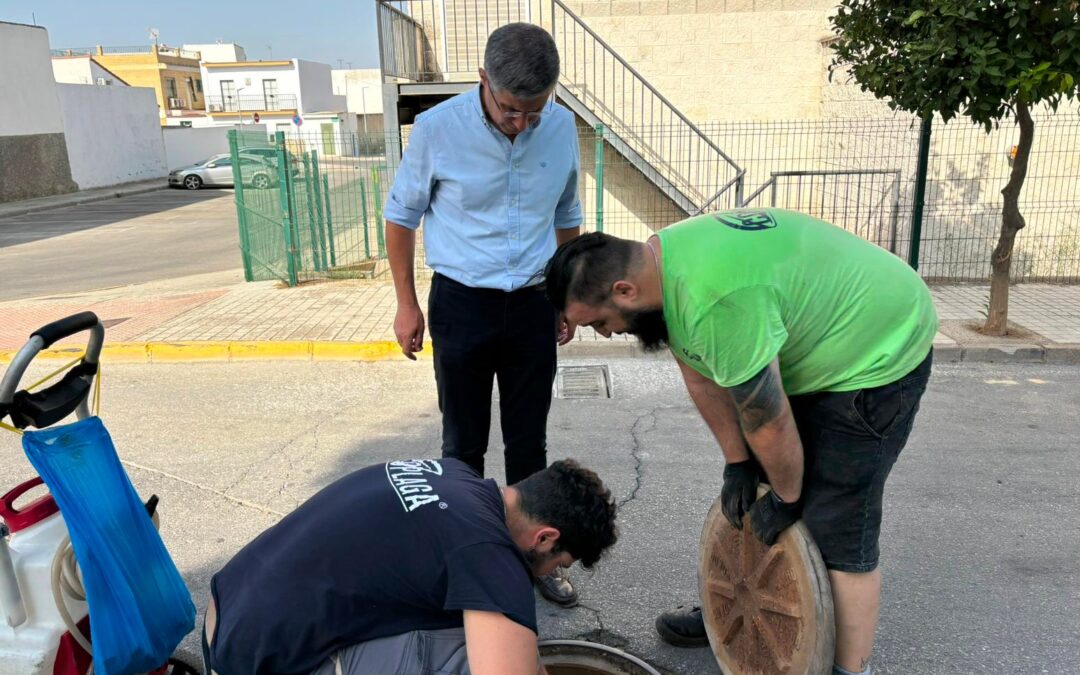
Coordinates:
(742, 287)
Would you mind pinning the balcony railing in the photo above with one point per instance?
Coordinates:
(74, 51)
(178, 53)
(162, 50)
(436, 40)
(140, 49)
(251, 103)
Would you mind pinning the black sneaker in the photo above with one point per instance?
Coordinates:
(682, 627)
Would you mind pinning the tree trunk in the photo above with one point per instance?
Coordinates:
(1012, 221)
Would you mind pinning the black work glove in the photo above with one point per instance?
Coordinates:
(770, 515)
(740, 490)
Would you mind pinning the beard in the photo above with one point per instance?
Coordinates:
(649, 327)
(537, 560)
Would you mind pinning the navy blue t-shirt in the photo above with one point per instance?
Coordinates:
(388, 549)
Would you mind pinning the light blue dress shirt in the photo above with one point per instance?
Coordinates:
(490, 207)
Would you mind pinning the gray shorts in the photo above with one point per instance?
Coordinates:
(419, 652)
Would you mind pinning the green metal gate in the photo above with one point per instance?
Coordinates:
(320, 218)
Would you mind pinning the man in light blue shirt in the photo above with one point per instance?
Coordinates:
(493, 175)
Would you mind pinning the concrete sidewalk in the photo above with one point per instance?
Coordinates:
(219, 317)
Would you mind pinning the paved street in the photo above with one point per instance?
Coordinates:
(138, 238)
(981, 542)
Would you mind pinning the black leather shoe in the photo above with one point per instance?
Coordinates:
(556, 588)
(683, 627)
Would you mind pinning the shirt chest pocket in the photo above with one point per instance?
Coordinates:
(542, 181)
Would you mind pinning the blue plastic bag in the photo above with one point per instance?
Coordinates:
(140, 608)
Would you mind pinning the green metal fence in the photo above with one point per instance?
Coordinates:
(323, 218)
(265, 237)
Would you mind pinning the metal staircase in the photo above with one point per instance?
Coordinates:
(440, 42)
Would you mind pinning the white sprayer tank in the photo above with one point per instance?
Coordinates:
(30, 625)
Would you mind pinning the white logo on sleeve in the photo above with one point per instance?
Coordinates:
(409, 480)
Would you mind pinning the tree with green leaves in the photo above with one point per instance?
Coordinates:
(987, 59)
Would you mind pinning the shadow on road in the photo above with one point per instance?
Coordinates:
(40, 225)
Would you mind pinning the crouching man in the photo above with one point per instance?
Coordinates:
(407, 567)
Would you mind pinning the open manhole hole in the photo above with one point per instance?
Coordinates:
(577, 657)
(583, 382)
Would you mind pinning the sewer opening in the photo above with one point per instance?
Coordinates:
(577, 657)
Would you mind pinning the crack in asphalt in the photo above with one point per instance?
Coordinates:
(635, 452)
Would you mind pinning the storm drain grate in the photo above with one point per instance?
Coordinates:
(583, 382)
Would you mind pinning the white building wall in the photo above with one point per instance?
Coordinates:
(309, 82)
(83, 70)
(113, 134)
(185, 146)
(362, 89)
(715, 59)
(317, 88)
(249, 80)
(30, 105)
(35, 162)
(72, 69)
(221, 52)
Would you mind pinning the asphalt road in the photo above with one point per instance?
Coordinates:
(143, 237)
(981, 541)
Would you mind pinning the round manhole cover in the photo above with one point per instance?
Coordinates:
(766, 609)
(578, 657)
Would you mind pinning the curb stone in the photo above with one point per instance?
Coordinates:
(313, 350)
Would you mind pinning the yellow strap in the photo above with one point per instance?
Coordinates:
(97, 393)
(55, 373)
(97, 390)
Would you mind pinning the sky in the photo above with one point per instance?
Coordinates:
(324, 31)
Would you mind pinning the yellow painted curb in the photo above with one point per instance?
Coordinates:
(253, 350)
(188, 351)
(234, 351)
(125, 352)
(355, 351)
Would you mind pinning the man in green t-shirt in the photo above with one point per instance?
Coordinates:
(806, 350)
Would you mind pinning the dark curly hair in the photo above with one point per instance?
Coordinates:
(586, 267)
(573, 500)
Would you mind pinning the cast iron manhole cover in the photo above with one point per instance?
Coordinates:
(583, 382)
(766, 609)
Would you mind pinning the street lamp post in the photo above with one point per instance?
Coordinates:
(239, 107)
(363, 94)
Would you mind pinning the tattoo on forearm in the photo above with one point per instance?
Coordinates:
(759, 400)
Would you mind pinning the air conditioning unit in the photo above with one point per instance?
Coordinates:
(217, 107)
(176, 103)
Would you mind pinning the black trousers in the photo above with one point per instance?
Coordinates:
(851, 440)
(479, 335)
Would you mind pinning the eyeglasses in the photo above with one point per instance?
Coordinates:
(532, 118)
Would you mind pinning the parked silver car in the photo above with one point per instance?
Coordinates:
(218, 171)
(270, 156)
